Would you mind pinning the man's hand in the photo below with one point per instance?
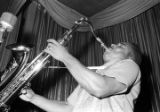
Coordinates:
(56, 50)
(27, 95)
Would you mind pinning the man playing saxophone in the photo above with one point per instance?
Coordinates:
(113, 88)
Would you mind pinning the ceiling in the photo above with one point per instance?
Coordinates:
(88, 7)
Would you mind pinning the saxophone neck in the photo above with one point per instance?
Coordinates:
(68, 34)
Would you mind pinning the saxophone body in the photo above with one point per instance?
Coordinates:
(29, 71)
(20, 56)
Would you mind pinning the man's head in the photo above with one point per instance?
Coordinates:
(122, 51)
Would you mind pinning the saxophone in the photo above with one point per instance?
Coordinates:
(17, 63)
(25, 75)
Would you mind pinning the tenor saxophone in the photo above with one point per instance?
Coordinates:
(31, 69)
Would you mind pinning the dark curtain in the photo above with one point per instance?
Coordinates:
(14, 7)
(57, 83)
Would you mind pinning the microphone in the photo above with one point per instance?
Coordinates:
(7, 22)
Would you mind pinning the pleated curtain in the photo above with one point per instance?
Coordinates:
(57, 83)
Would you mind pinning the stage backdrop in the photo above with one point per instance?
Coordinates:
(35, 25)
